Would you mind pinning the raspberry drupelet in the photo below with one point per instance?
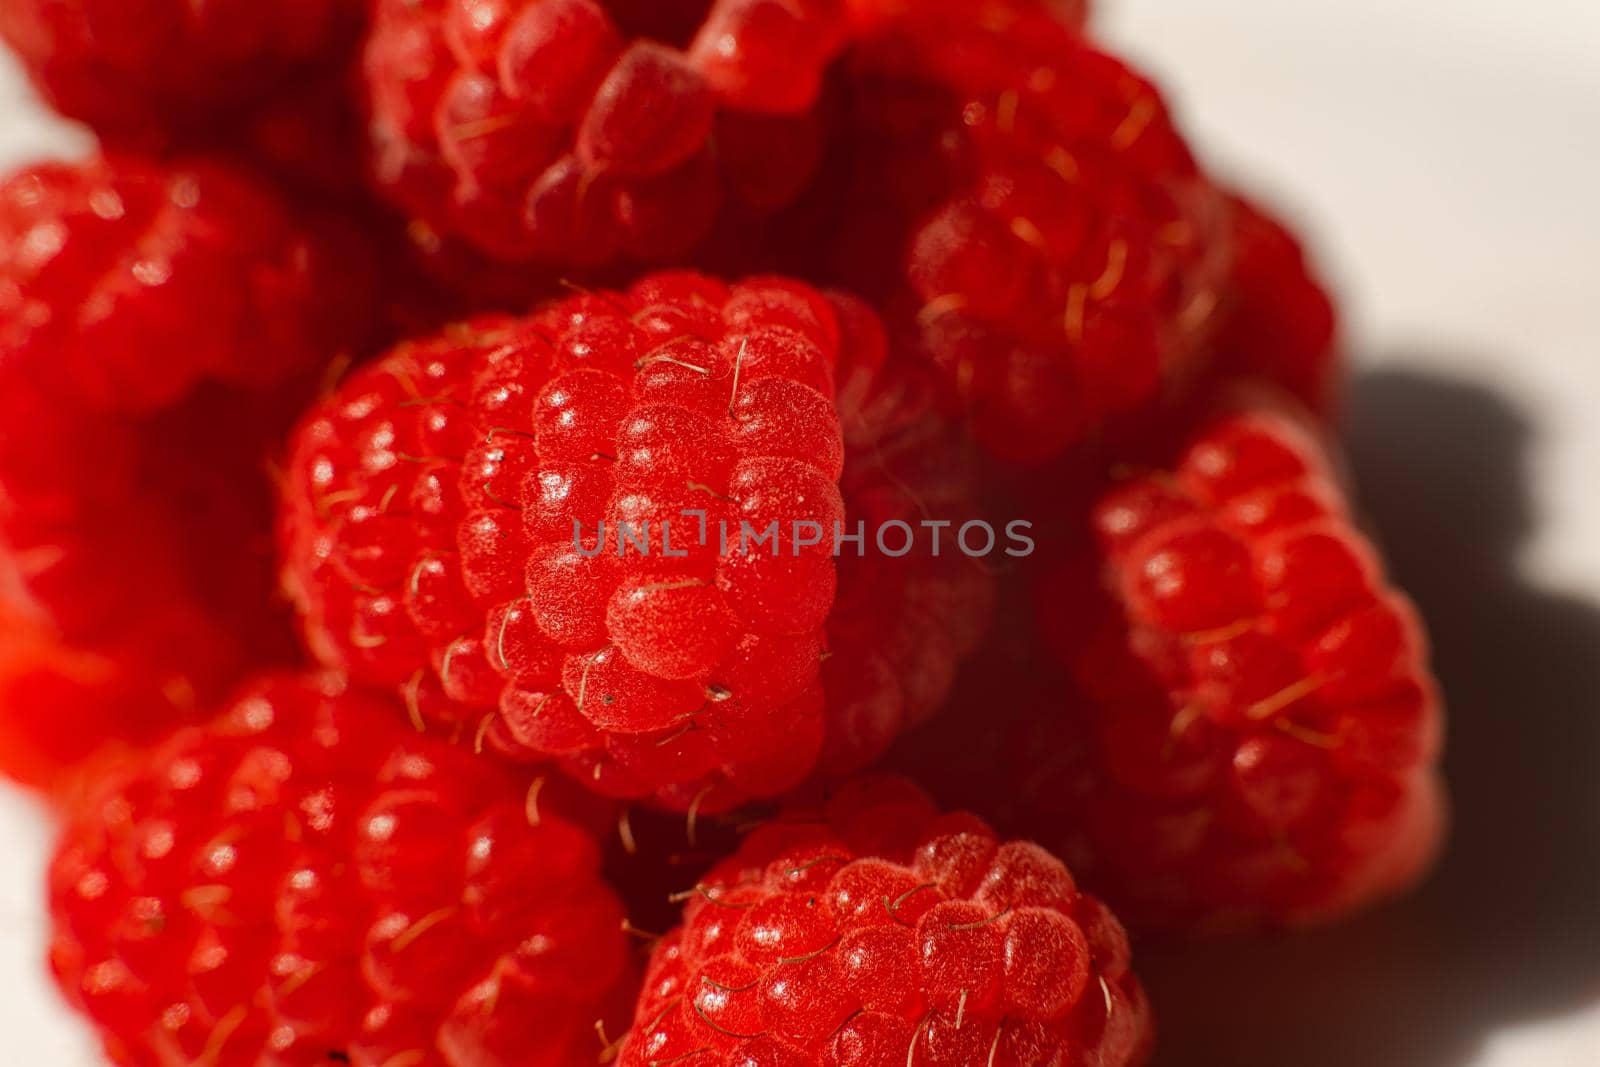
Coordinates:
(305, 880)
(145, 70)
(1257, 737)
(439, 534)
(124, 283)
(876, 932)
(1025, 207)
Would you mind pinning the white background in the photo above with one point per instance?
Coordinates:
(1445, 155)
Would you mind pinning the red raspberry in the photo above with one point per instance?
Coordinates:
(428, 536)
(1260, 736)
(122, 283)
(878, 933)
(1026, 208)
(305, 880)
(1278, 323)
(579, 132)
(136, 68)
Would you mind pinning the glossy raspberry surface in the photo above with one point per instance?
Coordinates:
(428, 533)
(125, 283)
(1257, 733)
(143, 68)
(305, 880)
(878, 932)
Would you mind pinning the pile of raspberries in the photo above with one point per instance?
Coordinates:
(516, 514)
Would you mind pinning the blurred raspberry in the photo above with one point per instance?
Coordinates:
(1278, 324)
(139, 562)
(305, 880)
(876, 931)
(1025, 209)
(1256, 732)
(135, 509)
(160, 328)
(142, 71)
(428, 536)
(124, 283)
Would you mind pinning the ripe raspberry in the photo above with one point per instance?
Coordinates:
(1259, 740)
(575, 133)
(880, 933)
(305, 881)
(123, 283)
(428, 536)
(1024, 208)
(1278, 324)
(137, 69)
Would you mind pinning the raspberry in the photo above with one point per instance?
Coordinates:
(123, 283)
(1025, 208)
(304, 880)
(1259, 735)
(1278, 324)
(428, 536)
(137, 69)
(575, 133)
(877, 932)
